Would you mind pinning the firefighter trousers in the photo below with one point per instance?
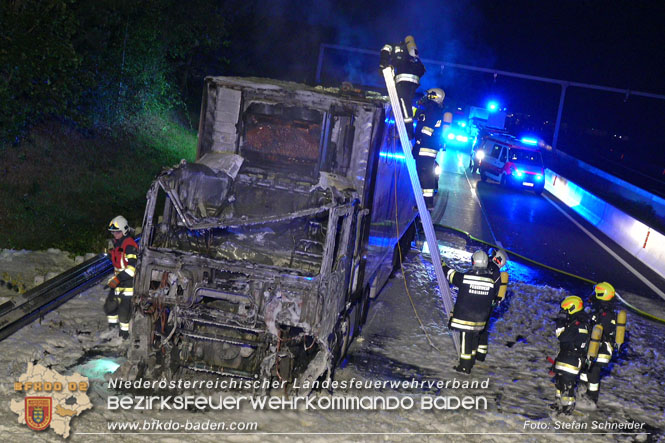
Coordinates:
(593, 375)
(566, 368)
(483, 343)
(118, 308)
(468, 346)
(425, 166)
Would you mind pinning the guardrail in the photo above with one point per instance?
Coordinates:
(38, 301)
(641, 241)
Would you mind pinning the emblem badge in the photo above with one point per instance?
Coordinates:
(38, 412)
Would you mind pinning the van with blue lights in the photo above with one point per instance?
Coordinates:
(259, 260)
(478, 146)
(513, 162)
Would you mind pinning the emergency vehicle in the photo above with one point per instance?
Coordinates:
(512, 162)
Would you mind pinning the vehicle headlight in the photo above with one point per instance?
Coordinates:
(519, 173)
(437, 170)
(539, 177)
(462, 138)
(451, 136)
(480, 155)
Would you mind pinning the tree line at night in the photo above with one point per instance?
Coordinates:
(98, 63)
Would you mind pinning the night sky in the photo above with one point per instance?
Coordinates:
(614, 43)
(610, 43)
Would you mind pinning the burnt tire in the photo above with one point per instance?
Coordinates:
(342, 339)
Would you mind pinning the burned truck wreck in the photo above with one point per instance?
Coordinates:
(259, 260)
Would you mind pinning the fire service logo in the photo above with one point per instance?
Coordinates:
(38, 412)
(51, 400)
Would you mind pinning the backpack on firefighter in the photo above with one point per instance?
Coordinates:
(608, 333)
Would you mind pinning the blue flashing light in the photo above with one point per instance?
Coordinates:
(529, 141)
(462, 124)
(462, 138)
(392, 155)
(451, 136)
(390, 120)
(539, 177)
(492, 106)
(519, 173)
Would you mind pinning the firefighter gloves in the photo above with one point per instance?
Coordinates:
(113, 282)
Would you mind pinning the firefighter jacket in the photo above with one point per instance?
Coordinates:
(407, 67)
(573, 334)
(123, 257)
(602, 313)
(429, 136)
(476, 291)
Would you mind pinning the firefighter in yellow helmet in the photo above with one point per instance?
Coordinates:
(118, 305)
(613, 325)
(572, 330)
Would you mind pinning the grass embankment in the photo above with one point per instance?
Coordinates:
(59, 188)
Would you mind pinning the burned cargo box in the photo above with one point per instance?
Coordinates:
(259, 260)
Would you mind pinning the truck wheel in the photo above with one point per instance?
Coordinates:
(483, 177)
(343, 333)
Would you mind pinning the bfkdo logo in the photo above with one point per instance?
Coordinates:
(38, 412)
(50, 400)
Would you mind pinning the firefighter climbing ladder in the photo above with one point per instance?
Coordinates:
(425, 217)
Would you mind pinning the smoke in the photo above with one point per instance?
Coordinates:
(447, 31)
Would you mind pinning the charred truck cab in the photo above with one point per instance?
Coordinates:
(259, 259)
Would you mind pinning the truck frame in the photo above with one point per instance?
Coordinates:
(259, 260)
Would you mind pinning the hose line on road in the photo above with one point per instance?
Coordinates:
(586, 280)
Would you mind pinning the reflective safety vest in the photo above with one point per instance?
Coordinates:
(119, 256)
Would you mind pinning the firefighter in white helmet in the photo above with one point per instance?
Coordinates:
(408, 69)
(118, 305)
(429, 134)
(472, 307)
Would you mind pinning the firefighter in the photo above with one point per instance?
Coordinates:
(408, 69)
(613, 329)
(472, 307)
(428, 140)
(572, 329)
(498, 259)
(118, 304)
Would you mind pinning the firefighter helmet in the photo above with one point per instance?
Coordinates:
(119, 224)
(572, 304)
(498, 256)
(479, 259)
(436, 95)
(604, 291)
